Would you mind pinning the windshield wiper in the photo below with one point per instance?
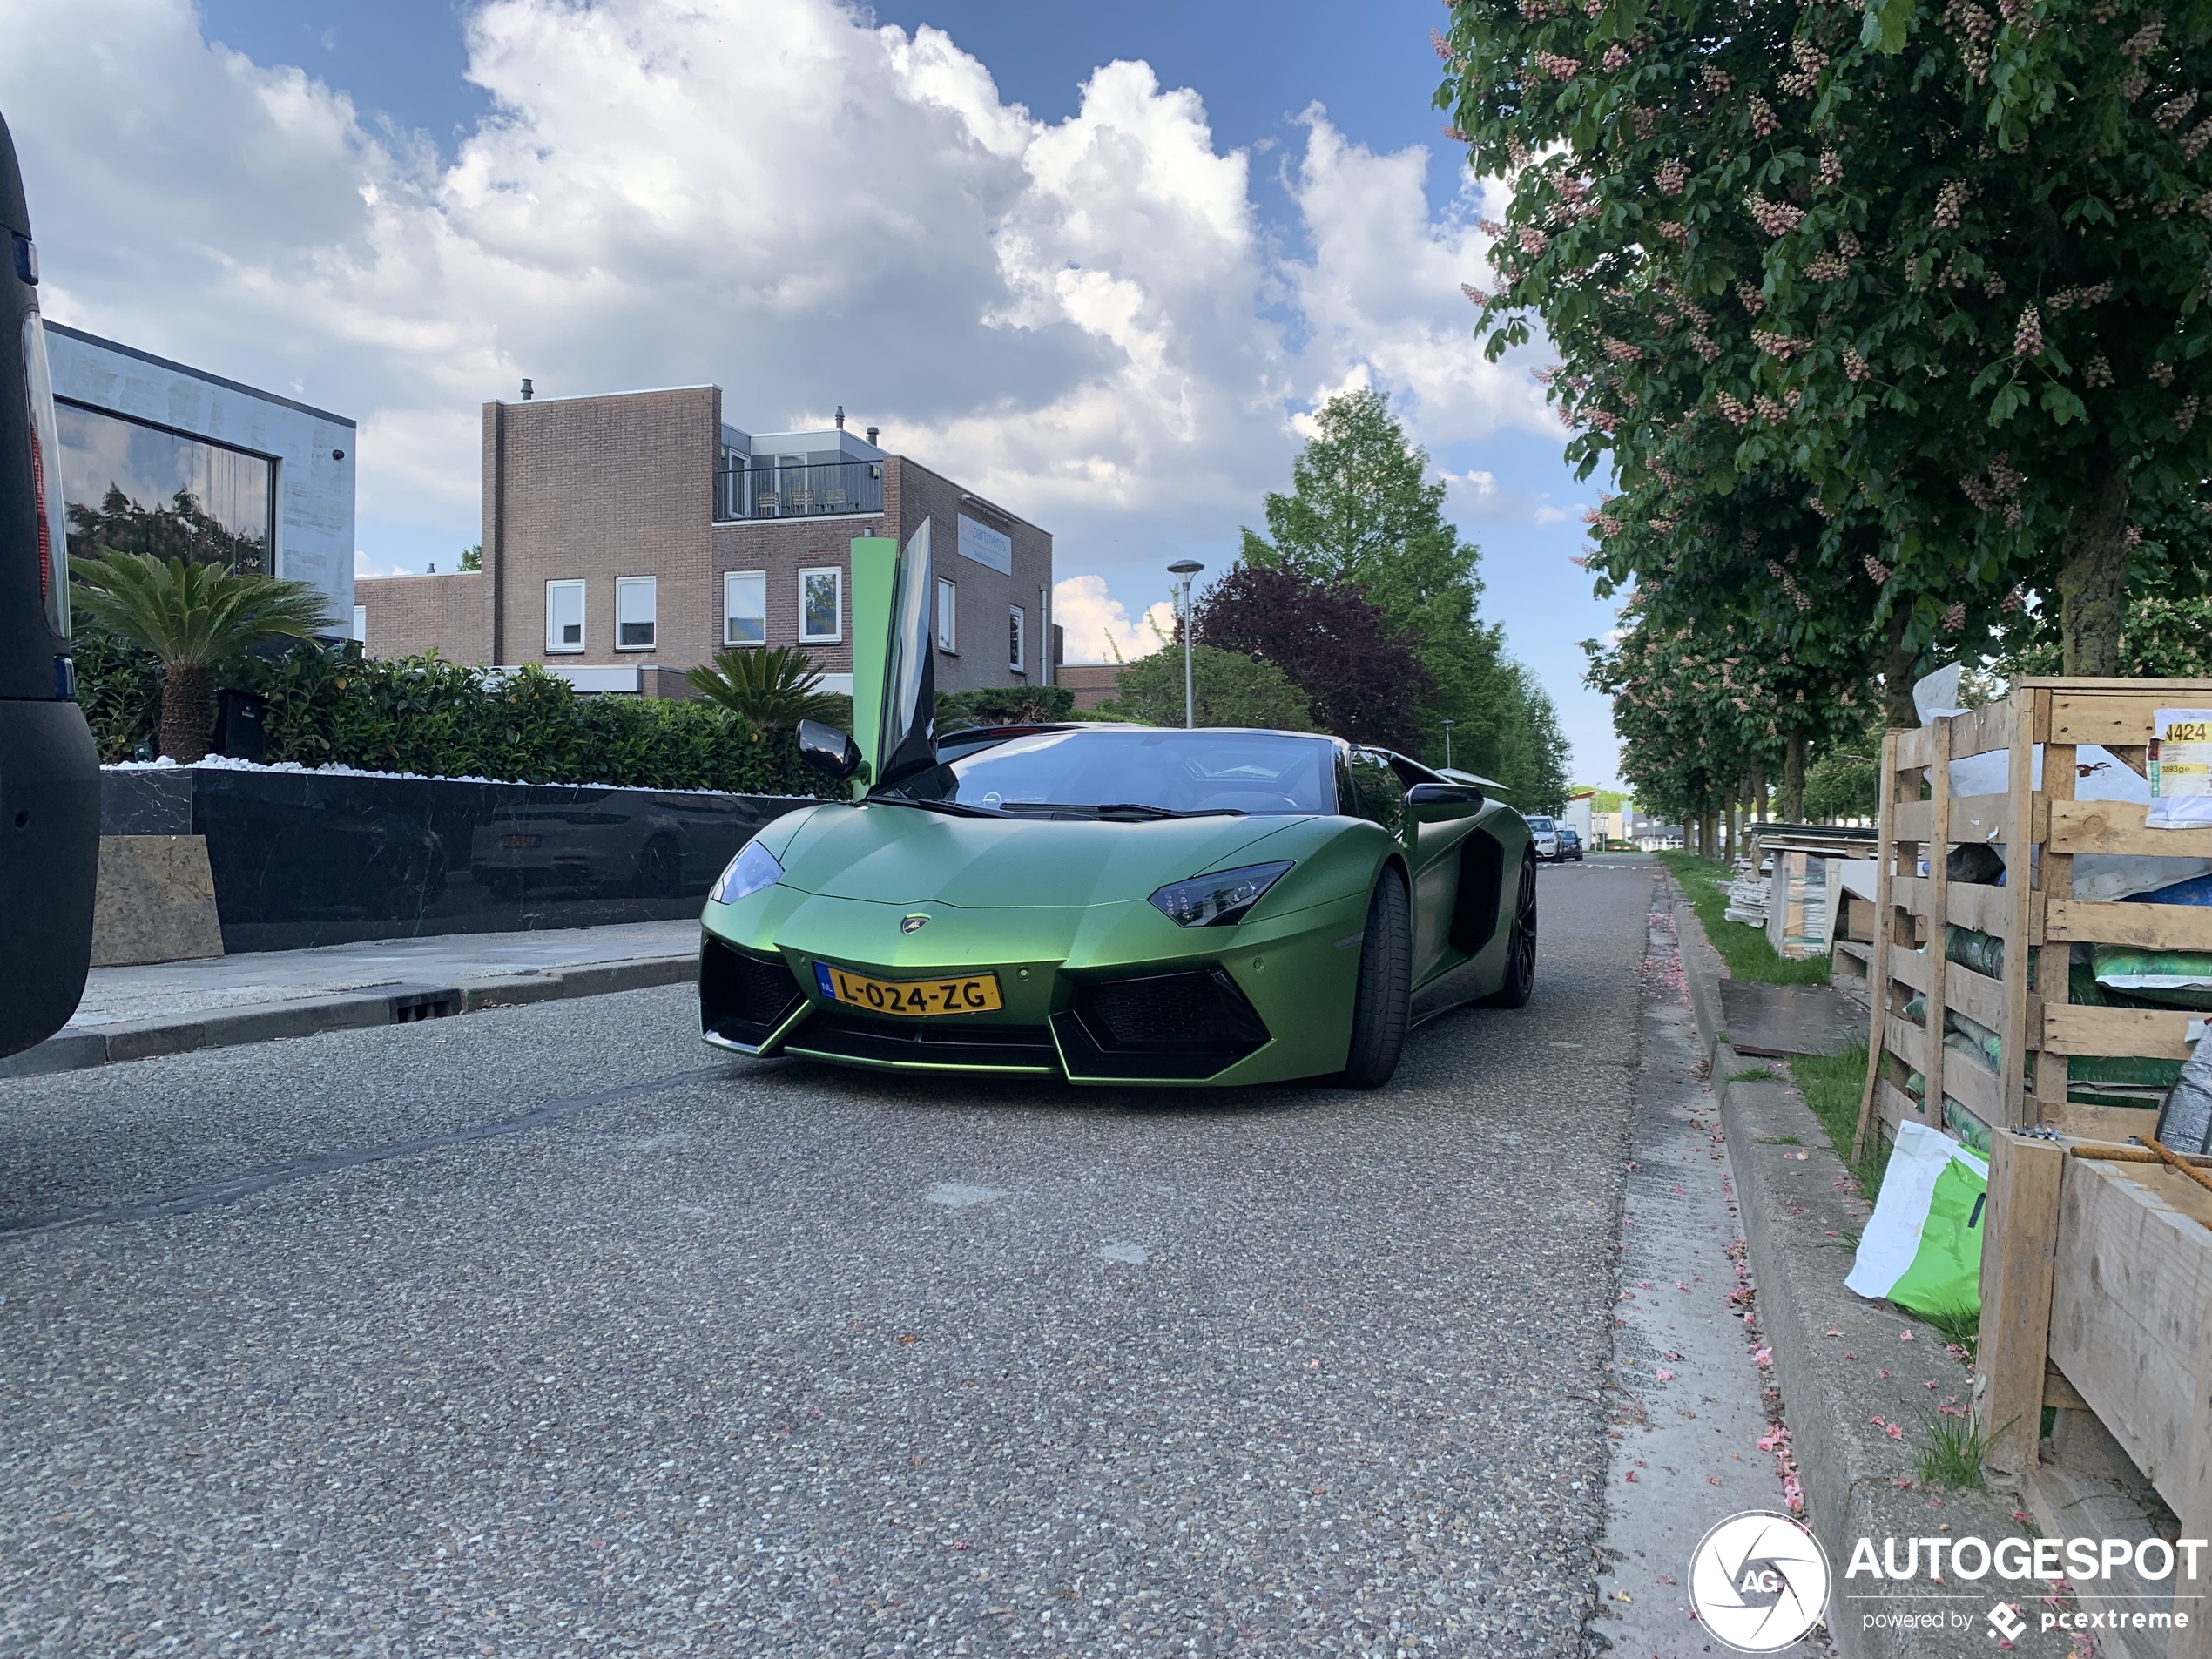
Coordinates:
(953, 808)
(1138, 809)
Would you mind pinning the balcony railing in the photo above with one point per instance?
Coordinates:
(761, 487)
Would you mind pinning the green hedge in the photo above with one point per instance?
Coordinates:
(444, 719)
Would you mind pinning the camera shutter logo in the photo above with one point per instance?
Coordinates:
(1759, 1581)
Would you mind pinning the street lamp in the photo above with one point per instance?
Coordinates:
(1186, 569)
(1448, 725)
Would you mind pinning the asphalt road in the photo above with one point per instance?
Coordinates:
(545, 1331)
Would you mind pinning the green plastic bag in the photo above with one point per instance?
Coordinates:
(1922, 1248)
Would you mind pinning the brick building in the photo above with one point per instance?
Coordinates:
(637, 532)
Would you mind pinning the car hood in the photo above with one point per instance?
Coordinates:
(907, 855)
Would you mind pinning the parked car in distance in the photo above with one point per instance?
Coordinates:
(1570, 845)
(1545, 833)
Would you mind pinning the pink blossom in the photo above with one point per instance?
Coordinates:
(2027, 338)
(1671, 177)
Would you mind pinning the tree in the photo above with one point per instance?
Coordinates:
(1334, 644)
(1362, 512)
(472, 558)
(1229, 687)
(192, 616)
(1937, 278)
(771, 689)
(180, 530)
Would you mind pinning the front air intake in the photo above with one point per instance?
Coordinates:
(1162, 1027)
(743, 998)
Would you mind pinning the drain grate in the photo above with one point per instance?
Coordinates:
(408, 1007)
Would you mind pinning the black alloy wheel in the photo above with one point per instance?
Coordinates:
(1383, 1007)
(1521, 950)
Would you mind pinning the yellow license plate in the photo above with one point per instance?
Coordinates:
(917, 998)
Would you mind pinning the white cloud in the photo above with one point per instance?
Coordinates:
(1549, 515)
(1096, 626)
(367, 564)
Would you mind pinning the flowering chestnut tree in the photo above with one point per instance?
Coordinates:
(1934, 273)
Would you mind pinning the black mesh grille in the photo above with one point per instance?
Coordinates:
(743, 997)
(1189, 1013)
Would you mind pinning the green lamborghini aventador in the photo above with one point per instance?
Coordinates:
(1108, 904)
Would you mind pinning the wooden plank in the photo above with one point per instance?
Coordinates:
(1977, 997)
(1910, 968)
(2155, 1034)
(1878, 977)
(2111, 720)
(1974, 1086)
(1915, 820)
(2087, 1122)
(2131, 1313)
(1908, 1043)
(1915, 746)
(1987, 910)
(2015, 1027)
(2054, 875)
(2057, 1392)
(2084, 685)
(2147, 927)
(1939, 904)
(1979, 730)
(2117, 826)
(2019, 1237)
(1897, 1107)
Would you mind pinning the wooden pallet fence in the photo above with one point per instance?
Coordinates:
(2038, 832)
(2096, 1291)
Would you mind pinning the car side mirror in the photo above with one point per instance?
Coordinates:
(827, 750)
(1443, 795)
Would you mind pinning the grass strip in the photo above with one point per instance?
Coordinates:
(1743, 948)
(1832, 1084)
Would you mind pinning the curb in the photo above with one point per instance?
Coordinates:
(1830, 1347)
(400, 1004)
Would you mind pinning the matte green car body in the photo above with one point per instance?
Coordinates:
(1049, 906)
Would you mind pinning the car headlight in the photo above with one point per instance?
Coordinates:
(1216, 900)
(752, 870)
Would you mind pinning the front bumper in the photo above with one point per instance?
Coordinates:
(1106, 993)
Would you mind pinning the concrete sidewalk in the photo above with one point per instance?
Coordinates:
(133, 1013)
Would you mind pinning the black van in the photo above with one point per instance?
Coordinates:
(50, 773)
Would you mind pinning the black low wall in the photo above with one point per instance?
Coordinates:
(303, 859)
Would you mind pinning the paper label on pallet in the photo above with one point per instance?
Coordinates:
(2181, 769)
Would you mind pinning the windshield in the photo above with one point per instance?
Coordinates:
(1540, 823)
(1170, 772)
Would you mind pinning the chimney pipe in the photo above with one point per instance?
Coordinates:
(840, 417)
(527, 388)
(872, 432)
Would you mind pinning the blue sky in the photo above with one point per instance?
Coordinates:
(1107, 307)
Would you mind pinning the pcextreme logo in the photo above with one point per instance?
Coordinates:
(1759, 1581)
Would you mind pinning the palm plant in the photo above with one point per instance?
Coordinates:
(191, 614)
(771, 689)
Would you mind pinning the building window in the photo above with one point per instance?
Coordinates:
(821, 606)
(634, 603)
(1015, 653)
(361, 623)
(947, 616)
(744, 607)
(564, 616)
(140, 489)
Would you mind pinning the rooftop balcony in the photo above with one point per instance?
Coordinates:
(752, 487)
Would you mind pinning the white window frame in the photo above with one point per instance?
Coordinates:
(836, 573)
(1017, 640)
(947, 616)
(361, 623)
(730, 613)
(561, 648)
(630, 585)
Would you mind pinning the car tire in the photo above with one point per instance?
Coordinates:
(1520, 948)
(1381, 1009)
